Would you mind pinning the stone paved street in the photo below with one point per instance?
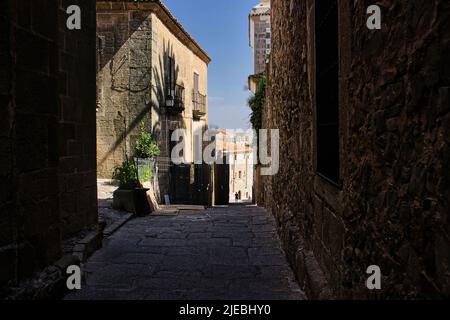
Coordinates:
(220, 253)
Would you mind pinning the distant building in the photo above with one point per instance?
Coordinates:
(237, 150)
(241, 170)
(260, 35)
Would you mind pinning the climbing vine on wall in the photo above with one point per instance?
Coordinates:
(256, 103)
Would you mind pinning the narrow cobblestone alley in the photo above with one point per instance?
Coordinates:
(220, 253)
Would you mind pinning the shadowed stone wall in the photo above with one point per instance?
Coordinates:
(391, 205)
(77, 123)
(47, 133)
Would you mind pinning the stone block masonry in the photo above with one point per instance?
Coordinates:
(390, 206)
(47, 134)
(77, 122)
(124, 79)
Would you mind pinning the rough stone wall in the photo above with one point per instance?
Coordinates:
(398, 190)
(288, 193)
(7, 174)
(36, 135)
(392, 206)
(123, 80)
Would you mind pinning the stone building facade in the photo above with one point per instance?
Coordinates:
(259, 35)
(236, 150)
(364, 119)
(240, 155)
(47, 129)
(149, 70)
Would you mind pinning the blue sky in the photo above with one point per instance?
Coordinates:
(221, 28)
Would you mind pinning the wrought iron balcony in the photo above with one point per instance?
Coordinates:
(199, 105)
(175, 99)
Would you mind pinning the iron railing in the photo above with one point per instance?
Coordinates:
(199, 102)
(175, 98)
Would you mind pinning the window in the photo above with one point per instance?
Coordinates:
(100, 49)
(195, 95)
(327, 89)
(196, 81)
(240, 174)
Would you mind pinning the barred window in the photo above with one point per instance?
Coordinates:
(171, 76)
(327, 89)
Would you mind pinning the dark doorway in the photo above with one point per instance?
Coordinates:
(202, 189)
(222, 184)
(180, 177)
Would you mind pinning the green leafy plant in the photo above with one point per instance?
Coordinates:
(146, 174)
(127, 175)
(146, 146)
(256, 103)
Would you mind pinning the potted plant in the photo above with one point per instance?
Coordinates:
(127, 176)
(130, 196)
(146, 151)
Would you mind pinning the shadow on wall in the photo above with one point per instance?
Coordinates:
(116, 33)
(154, 82)
(111, 43)
(162, 75)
